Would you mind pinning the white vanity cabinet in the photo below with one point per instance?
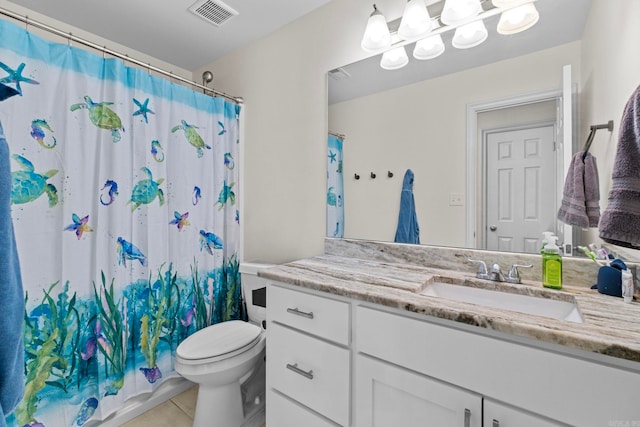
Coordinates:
(387, 395)
(375, 365)
(308, 359)
(530, 381)
(499, 415)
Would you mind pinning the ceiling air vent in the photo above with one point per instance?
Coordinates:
(215, 12)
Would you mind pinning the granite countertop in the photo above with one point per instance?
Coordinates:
(610, 327)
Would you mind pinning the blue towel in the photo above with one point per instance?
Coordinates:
(12, 297)
(408, 230)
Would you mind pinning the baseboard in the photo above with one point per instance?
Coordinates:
(141, 404)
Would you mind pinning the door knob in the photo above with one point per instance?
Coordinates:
(493, 228)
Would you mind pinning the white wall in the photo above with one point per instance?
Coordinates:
(283, 81)
(84, 35)
(422, 127)
(610, 73)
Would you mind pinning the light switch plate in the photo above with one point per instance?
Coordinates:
(456, 199)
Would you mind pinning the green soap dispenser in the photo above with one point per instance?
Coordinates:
(552, 265)
(545, 240)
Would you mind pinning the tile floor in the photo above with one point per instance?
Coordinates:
(179, 412)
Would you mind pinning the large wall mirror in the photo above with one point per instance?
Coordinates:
(417, 118)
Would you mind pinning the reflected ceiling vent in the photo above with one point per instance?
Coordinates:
(214, 12)
(339, 74)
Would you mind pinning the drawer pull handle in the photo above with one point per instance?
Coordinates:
(467, 417)
(300, 313)
(496, 423)
(294, 368)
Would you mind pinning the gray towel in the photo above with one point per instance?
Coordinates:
(581, 196)
(620, 223)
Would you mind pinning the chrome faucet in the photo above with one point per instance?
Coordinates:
(482, 272)
(513, 276)
(495, 273)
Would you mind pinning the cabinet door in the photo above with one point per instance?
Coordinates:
(499, 415)
(387, 395)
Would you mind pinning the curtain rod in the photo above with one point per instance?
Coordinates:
(104, 49)
(338, 135)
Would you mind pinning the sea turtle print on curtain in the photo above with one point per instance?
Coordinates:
(118, 224)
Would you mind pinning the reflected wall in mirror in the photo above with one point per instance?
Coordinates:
(394, 122)
(422, 127)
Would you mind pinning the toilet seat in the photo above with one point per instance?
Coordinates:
(218, 342)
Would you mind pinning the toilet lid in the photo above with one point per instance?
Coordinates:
(218, 340)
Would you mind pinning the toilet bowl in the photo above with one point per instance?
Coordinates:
(221, 357)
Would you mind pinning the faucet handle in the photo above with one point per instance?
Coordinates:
(495, 273)
(482, 272)
(513, 276)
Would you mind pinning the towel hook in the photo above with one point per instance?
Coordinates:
(390, 174)
(356, 176)
(372, 175)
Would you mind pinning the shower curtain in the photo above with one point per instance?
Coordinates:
(335, 188)
(124, 202)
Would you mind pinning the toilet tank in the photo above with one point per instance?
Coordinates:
(253, 292)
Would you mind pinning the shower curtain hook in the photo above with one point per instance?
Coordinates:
(69, 39)
(26, 23)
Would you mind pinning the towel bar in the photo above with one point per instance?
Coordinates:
(592, 134)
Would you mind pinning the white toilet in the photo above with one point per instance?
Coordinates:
(222, 358)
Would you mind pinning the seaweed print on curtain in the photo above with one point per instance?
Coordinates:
(124, 190)
(335, 188)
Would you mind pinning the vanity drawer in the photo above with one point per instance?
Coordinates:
(310, 371)
(324, 317)
(284, 412)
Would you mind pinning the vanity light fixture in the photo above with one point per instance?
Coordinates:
(394, 59)
(518, 19)
(458, 11)
(416, 21)
(464, 16)
(429, 48)
(470, 35)
(376, 35)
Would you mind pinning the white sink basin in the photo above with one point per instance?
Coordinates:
(551, 308)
